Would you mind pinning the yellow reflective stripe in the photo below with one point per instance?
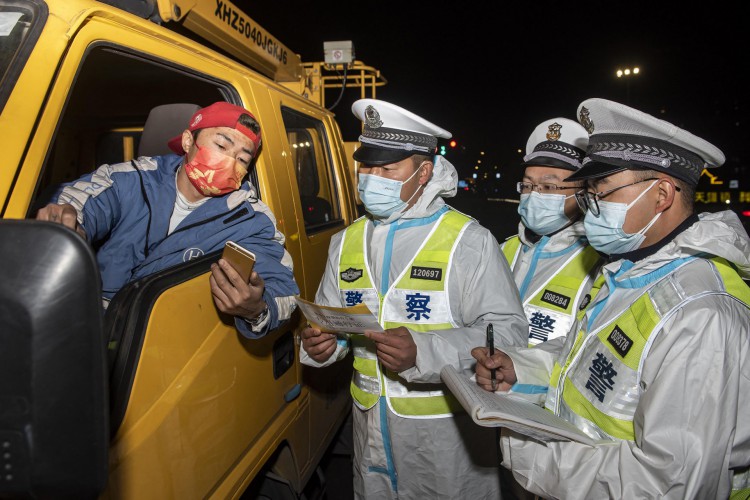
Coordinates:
(732, 280)
(455, 220)
(419, 327)
(353, 256)
(510, 249)
(555, 375)
(365, 399)
(646, 318)
(742, 494)
(426, 406)
(435, 253)
(580, 337)
(589, 259)
(739, 289)
(638, 322)
(568, 280)
(578, 268)
(557, 371)
(366, 366)
(577, 402)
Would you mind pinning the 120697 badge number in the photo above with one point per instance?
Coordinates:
(426, 273)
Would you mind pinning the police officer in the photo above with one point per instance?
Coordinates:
(435, 279)
(659, 370)
(552, 263)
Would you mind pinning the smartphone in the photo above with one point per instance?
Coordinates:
(242, 260)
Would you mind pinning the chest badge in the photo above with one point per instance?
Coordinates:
(621, 342)
(351, 275)
(556, 299)
(426, 273)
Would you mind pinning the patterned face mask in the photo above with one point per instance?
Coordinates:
(213, 173)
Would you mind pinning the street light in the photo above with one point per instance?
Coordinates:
(627, 74)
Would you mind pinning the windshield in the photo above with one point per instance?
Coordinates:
(20, 24)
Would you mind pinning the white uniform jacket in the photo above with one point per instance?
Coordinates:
(444, 457)
(483, 292)
(692, 416)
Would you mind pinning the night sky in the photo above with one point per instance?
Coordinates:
(489, 72)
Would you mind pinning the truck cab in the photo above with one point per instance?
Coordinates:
(158, 396)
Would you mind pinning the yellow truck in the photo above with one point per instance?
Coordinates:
(159, 396)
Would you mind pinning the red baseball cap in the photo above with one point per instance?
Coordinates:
(218, 114)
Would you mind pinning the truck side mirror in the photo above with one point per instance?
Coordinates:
(54, 435)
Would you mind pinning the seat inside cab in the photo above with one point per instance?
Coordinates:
(163, 123)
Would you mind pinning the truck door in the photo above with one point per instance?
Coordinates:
(196, 409)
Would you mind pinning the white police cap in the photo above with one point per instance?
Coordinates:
(392, 133)
(622, 138)
(558, 143)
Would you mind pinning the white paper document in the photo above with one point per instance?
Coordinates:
(355, 319)
(491, 409)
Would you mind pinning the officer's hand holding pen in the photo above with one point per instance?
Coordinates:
(505, 373)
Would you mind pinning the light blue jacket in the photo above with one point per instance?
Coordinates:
(125, 209)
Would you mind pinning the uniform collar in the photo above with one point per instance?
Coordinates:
(642, 253)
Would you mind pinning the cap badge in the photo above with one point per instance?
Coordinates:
(583, 117)
(553, 133)
(372, 117)
(196, 121)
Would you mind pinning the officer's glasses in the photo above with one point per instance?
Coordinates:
(544, 188)
(590, 201)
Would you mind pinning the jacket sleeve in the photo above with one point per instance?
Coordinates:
(482, 291)
(691, 426)
(95, 198)
(328, 295)
(274, 264)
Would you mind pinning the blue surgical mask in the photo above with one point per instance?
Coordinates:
(605, 232)
(381, 196)
(543, 213)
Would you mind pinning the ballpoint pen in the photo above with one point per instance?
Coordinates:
(491, 346)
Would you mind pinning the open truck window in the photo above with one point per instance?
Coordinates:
(113, 91)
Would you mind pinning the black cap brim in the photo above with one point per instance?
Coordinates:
(368, 155)
(595, 169)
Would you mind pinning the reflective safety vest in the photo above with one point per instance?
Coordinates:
(418, 300)
(592, 397)
(551, 308)
(741, 485)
